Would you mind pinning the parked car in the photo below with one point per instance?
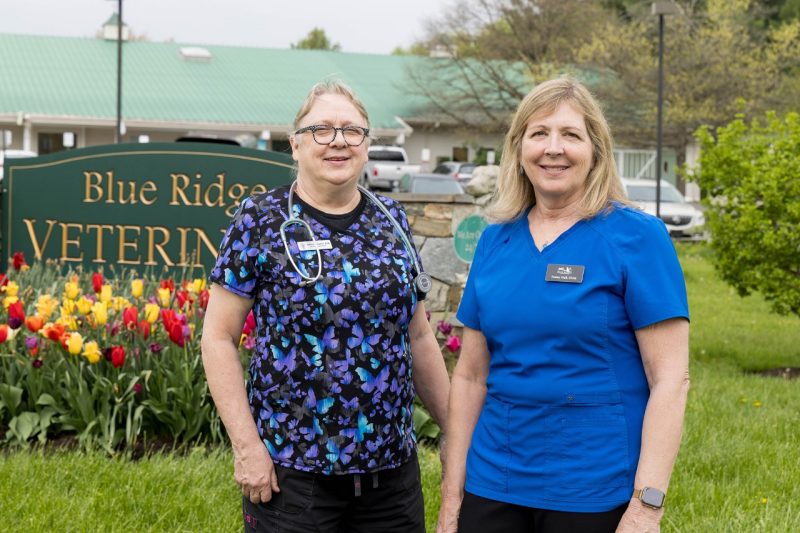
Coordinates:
(458, 169)
(424, 183)
(385, 167)
(682, 218)
(13, 154)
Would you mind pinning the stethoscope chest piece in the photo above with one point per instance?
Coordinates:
(423, 283)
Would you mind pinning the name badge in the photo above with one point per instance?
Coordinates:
(314, 245)
(565, 273)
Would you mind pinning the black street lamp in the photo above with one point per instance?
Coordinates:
(660, 9)
(118, 131)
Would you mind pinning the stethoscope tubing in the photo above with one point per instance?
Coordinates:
(422, 281)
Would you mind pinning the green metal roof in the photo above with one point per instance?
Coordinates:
(76, 77)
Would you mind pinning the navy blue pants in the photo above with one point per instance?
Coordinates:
(388, 501)
(481, 515)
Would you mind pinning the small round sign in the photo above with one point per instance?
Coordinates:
(466, 237)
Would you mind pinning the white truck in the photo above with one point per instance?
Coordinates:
(386, 165)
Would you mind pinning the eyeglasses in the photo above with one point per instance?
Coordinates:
(324, 134)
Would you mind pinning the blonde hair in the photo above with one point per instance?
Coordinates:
(515, 193)
(329, 87)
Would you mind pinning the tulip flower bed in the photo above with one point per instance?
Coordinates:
(114, 360)
(110, 360)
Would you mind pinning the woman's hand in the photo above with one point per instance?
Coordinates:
(254, 472)
(640, 519)
(448, 513)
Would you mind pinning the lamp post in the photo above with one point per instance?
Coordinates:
(660, 9)
(118, 133)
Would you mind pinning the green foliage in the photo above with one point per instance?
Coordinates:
(316, 40)
(752, 195)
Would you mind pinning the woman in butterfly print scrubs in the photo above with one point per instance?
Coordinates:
(323, 436)
(570, 390)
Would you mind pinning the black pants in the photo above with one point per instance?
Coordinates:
(481, 515)
(388, 501)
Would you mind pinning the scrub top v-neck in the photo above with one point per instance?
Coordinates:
(566, 390)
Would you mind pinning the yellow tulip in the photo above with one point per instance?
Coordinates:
(151, 312)
(137, 288)
(100, 313)
(8, 300)
(71, 290)
(84, 305)
(119, 303)
(75, 343)
(12, 288)
(67, 308)
(164, 297)
(105, 294)
(92, 352)
(198, 285)
(46, 306)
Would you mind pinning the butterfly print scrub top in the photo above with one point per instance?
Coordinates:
(330, 384)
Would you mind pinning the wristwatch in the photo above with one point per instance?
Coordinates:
(650, 497)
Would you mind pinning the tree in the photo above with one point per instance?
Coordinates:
(752, 194)
(316, 40)
(492, 51)
(717, 62)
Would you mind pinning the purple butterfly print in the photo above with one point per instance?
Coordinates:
(358, 339)
(328, 341)
(284, 360)
(376, 382)
(336, 454)
(285, 454)
(324, 293)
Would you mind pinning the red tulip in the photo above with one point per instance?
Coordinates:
(249, 324)
(97, 282)
(144, 328)
(203, 299)
(182, 297)
(3, 280)
(16, 310)
(444, 327)
(55, 332)
(130, 317)
(3, 332)
(176, 334)
(168, 284)
(453, 343)
(117, 356)
(18, 259)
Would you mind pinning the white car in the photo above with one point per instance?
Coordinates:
(682, 218)
(13, 154)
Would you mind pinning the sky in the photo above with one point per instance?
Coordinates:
(368, 26)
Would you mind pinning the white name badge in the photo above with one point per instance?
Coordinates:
(314, 245)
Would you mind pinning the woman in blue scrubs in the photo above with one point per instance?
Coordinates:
(567, 403)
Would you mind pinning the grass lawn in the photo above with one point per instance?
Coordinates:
(739, 468)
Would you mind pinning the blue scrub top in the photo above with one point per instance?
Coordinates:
(566, 392)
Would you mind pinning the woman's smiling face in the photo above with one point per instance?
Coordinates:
(557, 154)
(335, 163)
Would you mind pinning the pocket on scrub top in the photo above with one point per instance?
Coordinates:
(490, 452)
(588, 449)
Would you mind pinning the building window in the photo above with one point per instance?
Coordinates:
(281, 145)
(460, 153)
(53, 142)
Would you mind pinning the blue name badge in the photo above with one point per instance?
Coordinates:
(565, 273)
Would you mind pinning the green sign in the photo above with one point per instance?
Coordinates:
(466, 237)
(133, 205)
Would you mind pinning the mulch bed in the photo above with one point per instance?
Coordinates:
(790, 372)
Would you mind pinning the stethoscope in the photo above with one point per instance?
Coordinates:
(422, 281)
